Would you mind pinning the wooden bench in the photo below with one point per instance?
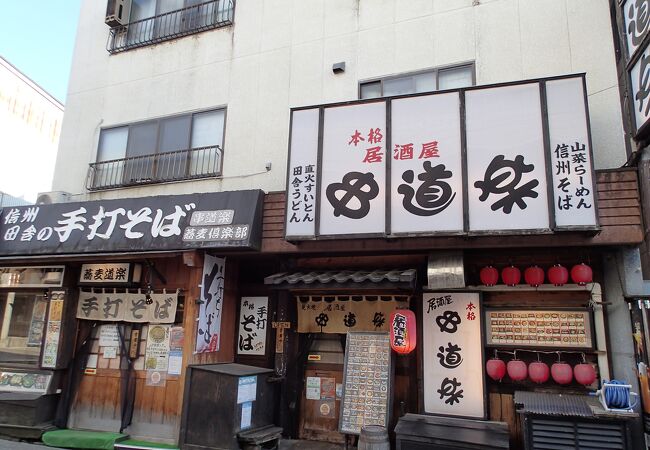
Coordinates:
(260, 438)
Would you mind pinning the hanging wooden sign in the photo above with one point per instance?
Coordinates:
(127, 307)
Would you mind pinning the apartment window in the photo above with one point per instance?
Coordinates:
(153, 21)
(414, 83)
(167, 149)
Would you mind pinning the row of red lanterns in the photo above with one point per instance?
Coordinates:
(581, 274)
(538, 371)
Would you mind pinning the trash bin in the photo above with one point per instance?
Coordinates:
(373, 437)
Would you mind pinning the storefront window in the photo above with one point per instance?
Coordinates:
(22, 319)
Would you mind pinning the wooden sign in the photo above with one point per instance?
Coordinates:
(366, 382)
(109, 273)
(279, 335)
(539, 328)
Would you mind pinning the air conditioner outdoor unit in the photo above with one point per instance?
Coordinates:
(118, 12)
(47, 198)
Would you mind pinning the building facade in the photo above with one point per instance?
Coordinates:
(250, 169)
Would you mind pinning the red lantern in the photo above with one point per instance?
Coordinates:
(496, 369)
(538, 372)
(511, 276)
(489, 276)
(403, 335)
(581, 274)
(517, 370)
(585, 374)
(562, 373)
(534, 276)
(558, 275)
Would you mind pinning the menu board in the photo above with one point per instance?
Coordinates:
(539, 328)
(366, 382)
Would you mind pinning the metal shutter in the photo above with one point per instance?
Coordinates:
(572, 435)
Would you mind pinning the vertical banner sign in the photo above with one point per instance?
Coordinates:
(453, 355)
(253, 317)
(301, 192)
(573, 192)
(426, 165)
(53, 331)
(353, 184)
(506, 167)
(640, 78)
(208, 334)
(637, 23)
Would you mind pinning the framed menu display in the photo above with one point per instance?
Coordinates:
(567, 328)
(367, 382)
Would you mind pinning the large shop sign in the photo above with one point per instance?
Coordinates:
(493, 158)
(214, 220)
(636, 17)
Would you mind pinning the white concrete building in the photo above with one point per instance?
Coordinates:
(279, 54)
(30, 125)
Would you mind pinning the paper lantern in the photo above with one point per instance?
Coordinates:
(534, 276)
(496, 369)
(511, 275)
(585, 374)
(538, 372)
(403, 335)
(562, 373)
(517, 370)
(558, 275)
(581, 274)
(489, 276)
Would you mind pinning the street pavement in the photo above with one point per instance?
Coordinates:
(13, 445)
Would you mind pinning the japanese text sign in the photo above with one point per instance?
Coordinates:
(127, 307)
(453, 354)
(208, 333)
(253, 319)
(108, 273)
(224, 219)
(636, 15)
(468, 161)
(341, 316)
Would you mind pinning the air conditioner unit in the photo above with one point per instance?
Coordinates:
(118, 12)
(47, 198)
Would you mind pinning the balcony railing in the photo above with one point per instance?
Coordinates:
(171, 25)
(180, 165)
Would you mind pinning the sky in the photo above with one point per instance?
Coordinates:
(37, 37)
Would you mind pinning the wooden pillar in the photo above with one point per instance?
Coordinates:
(644, 188)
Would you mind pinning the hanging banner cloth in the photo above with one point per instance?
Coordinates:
(127, 307)
(340, 314)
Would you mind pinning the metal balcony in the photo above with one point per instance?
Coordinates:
(196, 163)
(171, 25)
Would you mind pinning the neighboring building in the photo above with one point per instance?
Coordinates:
(30, 126)
(249, 169)
(10, 200)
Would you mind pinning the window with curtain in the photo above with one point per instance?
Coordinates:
(165, 149)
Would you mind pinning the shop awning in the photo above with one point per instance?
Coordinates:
(402, 279)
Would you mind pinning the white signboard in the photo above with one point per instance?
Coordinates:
(353, 186)
(636, 14)
(640, 78)
(247, 389)
(470, 161)
(573, 192)
(301, 191)
(453, 355)
(208, 333)
(253, 317)
(506, 167)
(426, 165)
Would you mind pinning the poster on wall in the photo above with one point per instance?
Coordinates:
(157, 350)
(53, 330)
(453, 354)
(253, 316)
(208, 332)
(366, 382)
